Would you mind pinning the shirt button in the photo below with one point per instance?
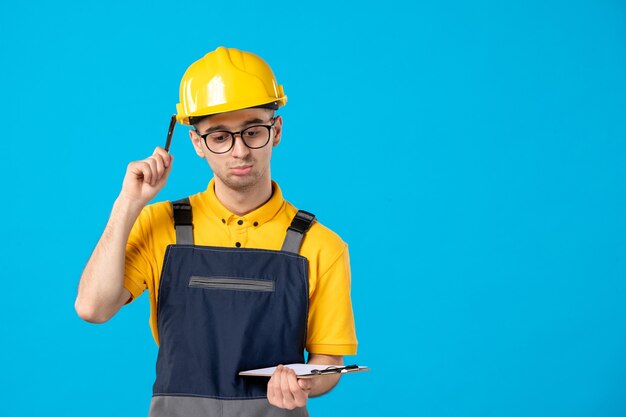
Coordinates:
(256, 224)
(238, 244)
(240, 222)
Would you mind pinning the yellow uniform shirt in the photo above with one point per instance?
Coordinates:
(330, 323)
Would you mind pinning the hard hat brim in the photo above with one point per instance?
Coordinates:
(228, 107)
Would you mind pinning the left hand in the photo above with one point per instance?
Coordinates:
(285, 390)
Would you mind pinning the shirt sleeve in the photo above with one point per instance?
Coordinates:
(331, 328)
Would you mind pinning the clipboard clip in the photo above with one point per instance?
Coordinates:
(335, 370)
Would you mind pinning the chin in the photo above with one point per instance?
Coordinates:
(240, 183)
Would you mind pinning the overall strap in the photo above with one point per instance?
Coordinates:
(182, 221)
(295, 233)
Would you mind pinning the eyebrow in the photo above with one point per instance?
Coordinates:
(248, 122)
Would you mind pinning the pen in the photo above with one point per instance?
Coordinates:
(170, 132)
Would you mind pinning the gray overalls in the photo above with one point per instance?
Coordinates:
(225, 310)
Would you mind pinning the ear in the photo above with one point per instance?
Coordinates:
(197, 143)
(278, 130)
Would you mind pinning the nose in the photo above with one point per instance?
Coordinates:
(240, 150)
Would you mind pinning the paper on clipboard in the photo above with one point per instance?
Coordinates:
(303, 370)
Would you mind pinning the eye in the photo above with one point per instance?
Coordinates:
(253, 131)
(218, 137)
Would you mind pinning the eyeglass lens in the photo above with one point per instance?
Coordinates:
(254, 137)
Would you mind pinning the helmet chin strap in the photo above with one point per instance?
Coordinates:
(170, 132)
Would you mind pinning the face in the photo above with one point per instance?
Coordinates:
(241, 168)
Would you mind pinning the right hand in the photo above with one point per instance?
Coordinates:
(285, 390)
(144, 179)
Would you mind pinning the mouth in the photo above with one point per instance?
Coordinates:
(241, 170)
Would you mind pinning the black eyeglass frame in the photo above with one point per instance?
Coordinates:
(240, 133)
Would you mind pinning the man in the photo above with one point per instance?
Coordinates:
(238, 278)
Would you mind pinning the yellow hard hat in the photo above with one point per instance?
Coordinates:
(224, 80)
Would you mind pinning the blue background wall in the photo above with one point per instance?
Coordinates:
(471, 153)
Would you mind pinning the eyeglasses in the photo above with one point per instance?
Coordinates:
(254, 137)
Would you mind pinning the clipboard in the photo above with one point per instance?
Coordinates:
(308, 370)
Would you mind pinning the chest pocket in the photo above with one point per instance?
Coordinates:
(229, 283)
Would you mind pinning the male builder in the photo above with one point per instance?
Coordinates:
(238, 278)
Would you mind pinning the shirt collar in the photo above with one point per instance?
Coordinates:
(259, 216)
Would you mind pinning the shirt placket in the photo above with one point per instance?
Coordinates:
(240, 232)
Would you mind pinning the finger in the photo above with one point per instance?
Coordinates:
(288, 399)
(168, 169)
(165, 156)
(153, 167)
(141, 170)
(305, 384)
(160, 165)
(274, 392)
(272, 387)
(299, 396)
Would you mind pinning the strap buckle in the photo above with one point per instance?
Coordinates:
(182, 212)
(302, 222)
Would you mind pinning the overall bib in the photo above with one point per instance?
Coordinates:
(225, 310)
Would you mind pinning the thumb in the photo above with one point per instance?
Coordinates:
(170, 160)
(305, 384)
(168, 169)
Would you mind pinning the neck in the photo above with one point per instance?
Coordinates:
(242, 202)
